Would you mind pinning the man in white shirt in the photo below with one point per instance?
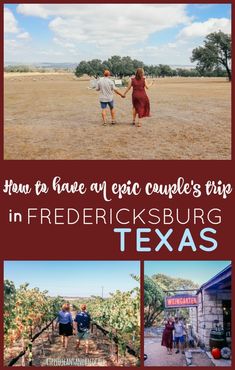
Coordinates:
(179, 330)
(106, 88)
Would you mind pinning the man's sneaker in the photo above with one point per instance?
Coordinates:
(177, 351)
(183, 353)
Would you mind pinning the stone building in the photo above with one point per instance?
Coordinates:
(214, 303)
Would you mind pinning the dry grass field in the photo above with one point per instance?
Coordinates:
(55, 116)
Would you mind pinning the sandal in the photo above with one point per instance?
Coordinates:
(113, 122)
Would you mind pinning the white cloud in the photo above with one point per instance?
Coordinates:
(16, 40)
(10, 22)
(14, 37)
(64, 44)
(36, 10)
(10, 43)
(50, 53)
(112, 12)
(24, 36)
(87, 31)
(16, 49)
(107, 24)
(201, 29)
(177, 53)
(172, 45)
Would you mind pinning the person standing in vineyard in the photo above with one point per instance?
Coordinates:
(65, 322)
(83, 321)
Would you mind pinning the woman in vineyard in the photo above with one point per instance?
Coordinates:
(167, 336)
(65, 322)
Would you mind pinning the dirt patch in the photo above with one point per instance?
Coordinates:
(58, 117)
(102, 352)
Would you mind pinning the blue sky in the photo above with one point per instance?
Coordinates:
(73, 278)
(198, 271)
(154, 33)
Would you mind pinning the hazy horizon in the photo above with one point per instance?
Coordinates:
(76, 63)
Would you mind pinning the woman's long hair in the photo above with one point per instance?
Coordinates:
(139, 73)
(66, 307)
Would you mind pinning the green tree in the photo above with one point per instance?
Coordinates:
(165, 70)
(155, 290)
(122, 66)
(93, 67)
(96, 67)
(153, 301)
(166, 282)
(128, 66)
(82, 69)
(115, 63)
(150, 70)
(107, 65)
(215, 52)
(137, 64)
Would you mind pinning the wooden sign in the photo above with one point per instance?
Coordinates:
(184, 300)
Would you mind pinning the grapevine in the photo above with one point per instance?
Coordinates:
(25, 312)
(120, 314)
(29, 311)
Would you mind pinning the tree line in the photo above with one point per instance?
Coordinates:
(155, 290)
(125, 66)
(213, 60)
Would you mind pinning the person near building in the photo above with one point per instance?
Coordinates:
(82, 327)
(167, 335)
(179, 329)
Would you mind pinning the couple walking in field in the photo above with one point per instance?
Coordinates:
(140, 100)
(80, 326)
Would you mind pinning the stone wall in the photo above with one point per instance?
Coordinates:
(209, 309)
